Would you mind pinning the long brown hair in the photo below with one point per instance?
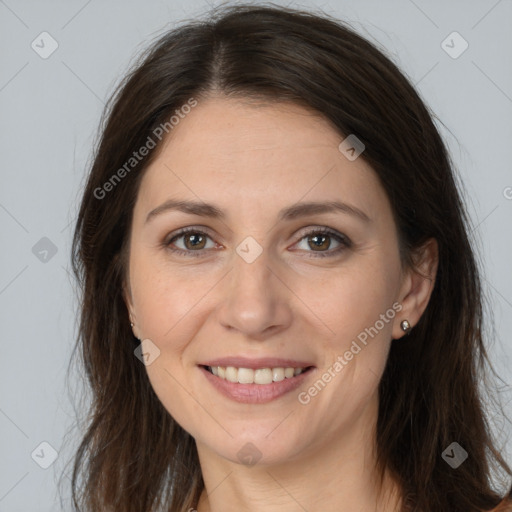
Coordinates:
(133, 455)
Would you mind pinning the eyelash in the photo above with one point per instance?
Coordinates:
(342, 239)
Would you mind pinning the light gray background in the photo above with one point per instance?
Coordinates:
(50, 109)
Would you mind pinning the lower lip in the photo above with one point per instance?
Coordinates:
(255, 393)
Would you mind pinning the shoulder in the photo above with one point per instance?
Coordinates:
(504, 506)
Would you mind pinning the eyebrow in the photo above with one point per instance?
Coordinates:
(292, 212)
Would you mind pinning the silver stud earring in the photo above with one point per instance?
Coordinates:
(131, 325)
(405, 326)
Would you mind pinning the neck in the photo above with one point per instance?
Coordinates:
(335, 474)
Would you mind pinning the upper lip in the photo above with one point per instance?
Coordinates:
(263, 362)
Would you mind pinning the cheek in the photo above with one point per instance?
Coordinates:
(351, 301)
(357, 307)
(164, 298)
(166, 303)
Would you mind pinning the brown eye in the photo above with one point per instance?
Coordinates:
(320, 242)
(194, 241)
(189, 242)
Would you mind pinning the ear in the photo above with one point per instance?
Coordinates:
(417, 285)
(127, 297)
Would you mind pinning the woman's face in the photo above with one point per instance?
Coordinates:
(257, 283)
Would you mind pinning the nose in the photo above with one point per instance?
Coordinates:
(256, 301)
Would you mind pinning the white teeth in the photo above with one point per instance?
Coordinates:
(259, 376)
(231, 374)
(263, 376)
(277, 374)
(245, 375)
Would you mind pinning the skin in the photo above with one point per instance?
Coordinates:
(252, 161)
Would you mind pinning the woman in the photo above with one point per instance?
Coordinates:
(281, 306)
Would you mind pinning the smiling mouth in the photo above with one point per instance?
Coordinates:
(260, 376)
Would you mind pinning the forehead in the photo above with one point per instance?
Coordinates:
(235, 152)
(241, 128)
